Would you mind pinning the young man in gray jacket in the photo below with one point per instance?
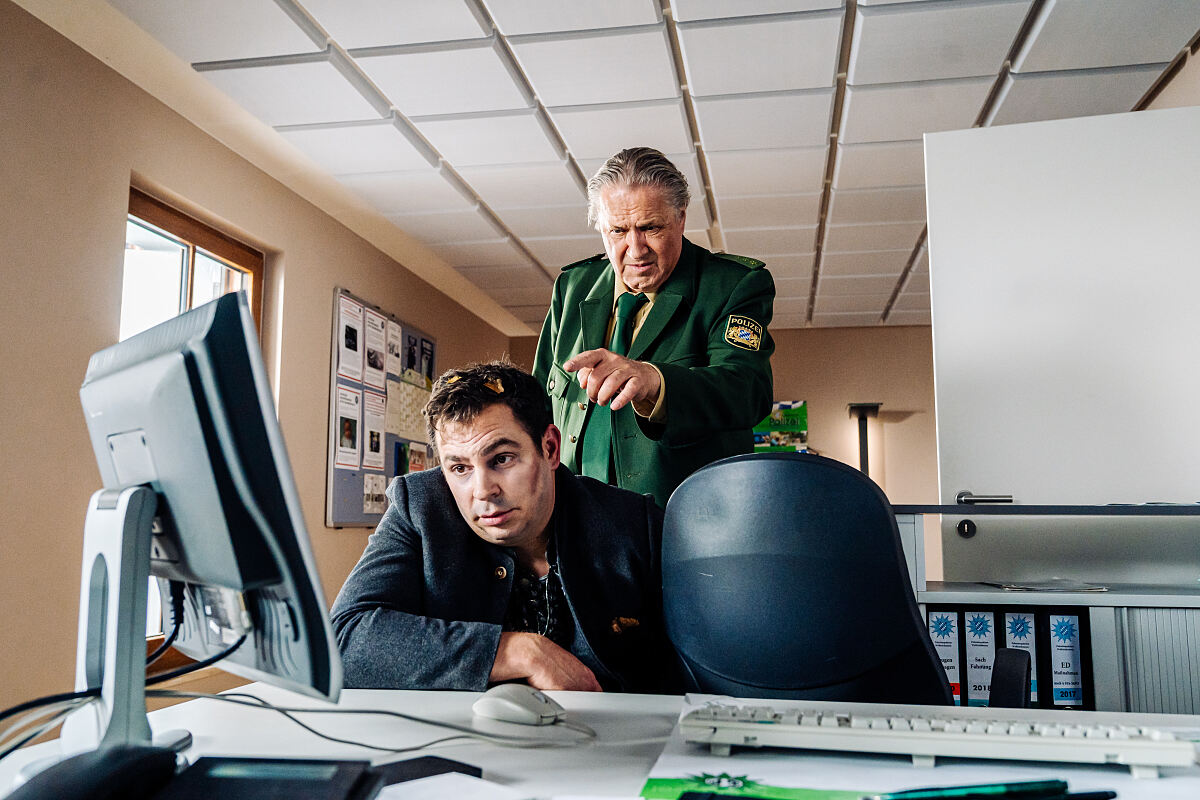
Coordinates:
(500, 565)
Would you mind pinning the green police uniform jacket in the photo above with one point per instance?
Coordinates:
(706, 332)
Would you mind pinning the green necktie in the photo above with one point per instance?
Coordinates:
(597, 435)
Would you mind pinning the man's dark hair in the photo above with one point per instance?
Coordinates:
(460, 395)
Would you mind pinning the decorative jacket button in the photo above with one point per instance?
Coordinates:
(501, 573)
(582, 406)
(551, 385)
(572, 440)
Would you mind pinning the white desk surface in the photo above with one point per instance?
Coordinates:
(632, 733)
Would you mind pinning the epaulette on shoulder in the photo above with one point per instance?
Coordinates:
(751, 263)
(589, 260)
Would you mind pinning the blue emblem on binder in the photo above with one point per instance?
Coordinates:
(1063, 630)
(1019, 627)
(979, 626)
(941, 626)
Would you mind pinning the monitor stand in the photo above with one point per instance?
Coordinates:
(111, 649)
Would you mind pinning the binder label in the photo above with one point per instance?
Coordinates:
(1065, 657)
(943, 632)
(1021, 635)
(981, 653)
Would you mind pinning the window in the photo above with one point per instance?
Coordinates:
(173, 263)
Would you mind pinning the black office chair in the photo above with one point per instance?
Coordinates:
(783, 576)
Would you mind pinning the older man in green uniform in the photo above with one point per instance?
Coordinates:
(655, 354)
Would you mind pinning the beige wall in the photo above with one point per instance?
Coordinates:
(75, 135)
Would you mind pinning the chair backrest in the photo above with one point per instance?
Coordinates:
(784, 576)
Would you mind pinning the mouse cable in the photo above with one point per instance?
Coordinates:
(241, 698)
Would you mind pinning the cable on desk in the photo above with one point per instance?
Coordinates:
(251, 701)
(40, 727)
(186, 668)
(47, 700)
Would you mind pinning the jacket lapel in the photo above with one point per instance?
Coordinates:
(595, 309)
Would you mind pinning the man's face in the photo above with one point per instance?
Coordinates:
(502, 481)
(643, 234)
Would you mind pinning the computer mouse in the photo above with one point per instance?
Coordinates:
(518, 702)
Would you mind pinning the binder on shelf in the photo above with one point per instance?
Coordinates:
(979, 631)
(1020, 631)
(944, 627)
(1066, 670)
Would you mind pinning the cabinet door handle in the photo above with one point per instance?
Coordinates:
(967, 497)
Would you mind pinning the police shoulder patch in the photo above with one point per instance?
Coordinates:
(743, 332)
(752, 263)
(590, 260)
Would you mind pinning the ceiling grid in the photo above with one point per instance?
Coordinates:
(473, 125)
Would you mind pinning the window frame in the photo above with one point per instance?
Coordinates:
(196, 234)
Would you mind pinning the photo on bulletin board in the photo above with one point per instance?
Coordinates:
(785, 429)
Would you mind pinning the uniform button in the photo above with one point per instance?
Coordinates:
(582, 406)
(572, 440)
(501, 573)
(552, 385)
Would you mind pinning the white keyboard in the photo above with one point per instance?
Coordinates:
(926, 732)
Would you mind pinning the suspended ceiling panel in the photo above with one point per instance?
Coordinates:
(524, 185)
(824, 320)
(755, 121)
(768, 211)
(852, 303)
(1080, 93)
(489, 252)
(499, 137)
(456, 78)
(877, 262)
(219, 30)
(414, 192)
(761, 243)
(570, 220)
(516, 17)
(375, 23)
(749, 172)
(447, 226)
(761, 54)
(898, 111)
(355, 148)
(879, 164)
(688, 10)
(913, 301)
(854, 238)
(531, 315)
(599, 131)
(902, 204)
(513, 277)
(921, 42)
(792, 287)
(837, 285)
(558, 251)
(613, 66)
(1078, 34)
(791, 266)
(294, 93)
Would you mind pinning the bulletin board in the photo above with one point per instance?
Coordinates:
(381, 374)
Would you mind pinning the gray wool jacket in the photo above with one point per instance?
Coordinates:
(423, 607)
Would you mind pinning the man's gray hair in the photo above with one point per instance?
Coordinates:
(638, 166)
